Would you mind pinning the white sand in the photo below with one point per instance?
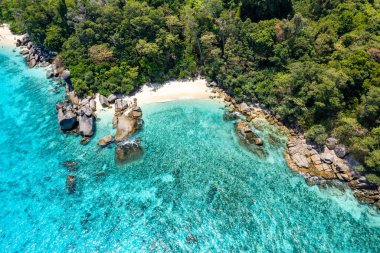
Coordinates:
(173, 90)
(7, 38)
(169, 91)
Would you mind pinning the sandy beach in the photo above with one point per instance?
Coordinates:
(173, 90)
(7, 38)
(166, 92)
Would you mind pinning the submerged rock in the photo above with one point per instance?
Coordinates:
(70, 165)
(71, 183)
(191, 239)
(247, 134)
(128, 151)
(105, 141)
(230, 116)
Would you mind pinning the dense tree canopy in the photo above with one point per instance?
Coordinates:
(315, 64)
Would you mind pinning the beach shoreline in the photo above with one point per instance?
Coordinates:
(7, 38)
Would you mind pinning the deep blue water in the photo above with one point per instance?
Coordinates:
(194, 180)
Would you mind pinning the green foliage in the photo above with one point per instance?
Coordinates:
(315, 64)
(318, 134)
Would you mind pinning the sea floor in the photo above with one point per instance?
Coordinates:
(195, 189)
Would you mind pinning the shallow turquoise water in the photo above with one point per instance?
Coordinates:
(194, 179)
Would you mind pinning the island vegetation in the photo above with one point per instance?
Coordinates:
(314, 64)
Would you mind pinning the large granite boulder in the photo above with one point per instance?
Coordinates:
(340, 151)
(128, 151)
(126, 126)
(103, 101)
(86, 122)
(92, 104)
(112, 98)
(331, 143)
(106, 140)
(67, 120)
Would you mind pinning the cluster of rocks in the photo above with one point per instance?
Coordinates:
(127, 120)
(246, 133)
(34, 55)
(77, 116)
(328, 164)
(317, 166)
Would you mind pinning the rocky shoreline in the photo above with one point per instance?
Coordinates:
(78, 116)
(318, 166)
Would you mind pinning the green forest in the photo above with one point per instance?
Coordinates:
(313, 63)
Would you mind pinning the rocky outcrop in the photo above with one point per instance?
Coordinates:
(33, 54)
(106, 140)
(327, 165)
(128, 151)
(127, 121)
(77, 116)
(247, 134)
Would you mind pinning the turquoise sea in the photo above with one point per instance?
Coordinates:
(196, 188)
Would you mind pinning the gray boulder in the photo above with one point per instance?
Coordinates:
(112, 98)
(93, 105)
(103, 101)
(25, 39)
(67, 120)
(29, 45)
(86, 122)
(65, 75)
(340, 151)
(331, 143)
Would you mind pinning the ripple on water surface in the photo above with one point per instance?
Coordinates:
(195, 189)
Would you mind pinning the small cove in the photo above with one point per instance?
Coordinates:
(195, 189)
